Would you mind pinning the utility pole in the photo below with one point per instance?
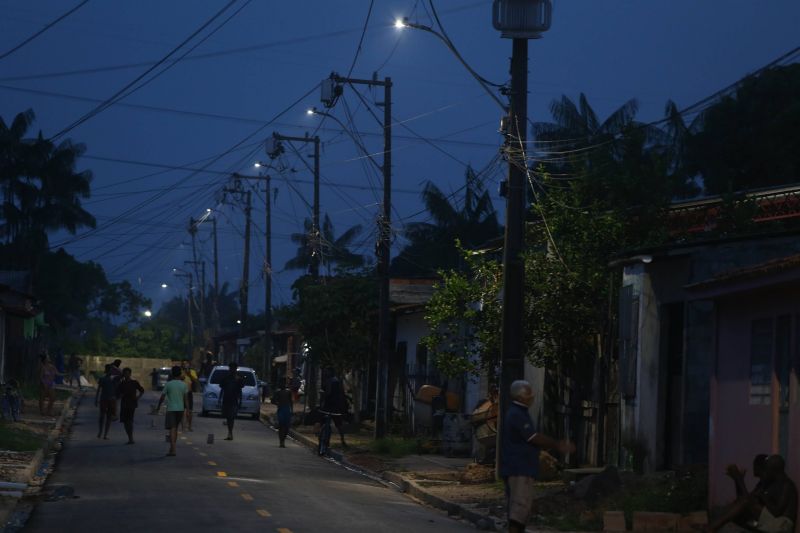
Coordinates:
(243, 291)
(520, 23)
(276, 149)
(215, 313)
(331, 89)
(202, 309)
(189, 304)
(267, 363)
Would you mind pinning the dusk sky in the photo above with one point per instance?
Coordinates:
(272, 53)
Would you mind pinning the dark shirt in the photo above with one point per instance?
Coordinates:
(518, 456)
(127, 392)
(780, 498)
(107, 387)
(283, 398)
(230, 389)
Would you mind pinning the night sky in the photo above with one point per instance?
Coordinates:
(219, 98)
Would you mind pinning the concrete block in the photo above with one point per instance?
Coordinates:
(646, 521)
(697, 521)
(614, 521)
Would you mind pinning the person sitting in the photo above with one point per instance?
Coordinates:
(771, 507)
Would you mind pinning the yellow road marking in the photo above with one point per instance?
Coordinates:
(212, 463)
(263, 512)
(246, 497)
(284, 530)
(201, 454)
(222, 474)
(232, 484)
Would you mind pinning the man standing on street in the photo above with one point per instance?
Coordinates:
(129, 392)
(106, 394)
(175, 394)
(519, 455)
(230, 393)
(283, 399)
(189, 377)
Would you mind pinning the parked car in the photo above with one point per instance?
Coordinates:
(251, 395)
(163, 376)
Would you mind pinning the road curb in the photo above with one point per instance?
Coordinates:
(403, 484)
(67, 415)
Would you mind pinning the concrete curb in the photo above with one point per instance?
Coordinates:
(67, 415)
(403, 484)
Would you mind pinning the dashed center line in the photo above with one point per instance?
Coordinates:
(232, 484)
(263, 512)
(284, 530)
(212, 463)
(222, 474)
(246, 497)
(201, 454)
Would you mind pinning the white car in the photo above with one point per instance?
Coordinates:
(251, 394)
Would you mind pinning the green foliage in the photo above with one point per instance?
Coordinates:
(335, 251)
(395, 448)
(471, 220)
(749, 139)
(337, 318)
(18, 439)
(148, 340)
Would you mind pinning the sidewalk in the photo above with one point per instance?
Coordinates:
(23, 469)
(456, 485)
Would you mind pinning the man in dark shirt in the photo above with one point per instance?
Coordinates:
(129, 392)
(519, 453)
(106, 394)
(283, 399)
(230, 394)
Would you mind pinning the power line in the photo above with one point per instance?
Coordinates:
(121, 92)
(44, 29)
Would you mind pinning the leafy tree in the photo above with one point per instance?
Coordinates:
(335, 251)
(148, 340)
(472, 221)
(749, 139)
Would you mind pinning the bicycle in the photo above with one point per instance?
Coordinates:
(11, 402)
(324, 441)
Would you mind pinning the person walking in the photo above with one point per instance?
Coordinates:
(47, 384)
(519, 453)
(175, 394)
(336, 405)
(129, 392)
(189, 377)
(283, 399)
(74, 370)
(230, 393)
(106, 394)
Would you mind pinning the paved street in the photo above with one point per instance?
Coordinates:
(247, 483)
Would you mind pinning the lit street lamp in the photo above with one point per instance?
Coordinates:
(148, 313)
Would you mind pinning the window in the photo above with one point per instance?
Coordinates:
(761, 345)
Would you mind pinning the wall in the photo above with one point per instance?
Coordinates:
(140, 367)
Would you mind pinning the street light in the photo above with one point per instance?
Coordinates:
(405, 23)
(148, 313)
(164, 285)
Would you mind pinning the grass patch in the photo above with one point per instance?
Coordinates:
(30, 391)
(18, 439)
(395, 447)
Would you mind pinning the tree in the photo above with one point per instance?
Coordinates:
(432, 245)
(749, 139)
(42, 191)
(335, 251)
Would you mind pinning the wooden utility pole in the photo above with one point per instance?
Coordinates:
(383, 395)
(268, 284)
(215, 312)
(243, 290)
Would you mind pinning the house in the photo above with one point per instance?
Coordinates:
(19, 317)
(754, 405)
(691, 316)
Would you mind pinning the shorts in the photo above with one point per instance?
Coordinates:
(519, 492)
(229, 410)
(126, 413)
(107, 407)
(772, 524)
(173, 419)
(189, 401)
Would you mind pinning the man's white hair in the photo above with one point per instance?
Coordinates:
(518, 388)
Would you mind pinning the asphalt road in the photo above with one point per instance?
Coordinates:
(248, 484)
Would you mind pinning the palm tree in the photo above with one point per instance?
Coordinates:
(432, 245)
(334, 251)
(42, 191)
